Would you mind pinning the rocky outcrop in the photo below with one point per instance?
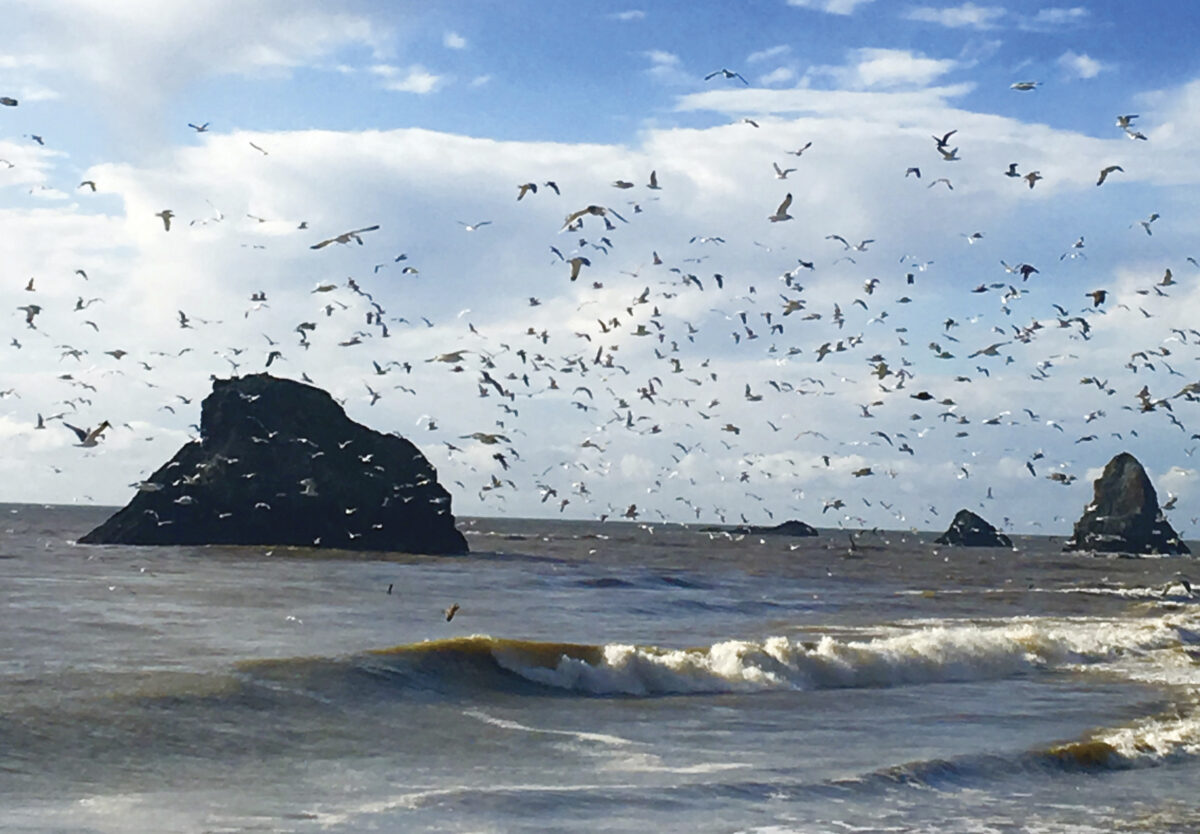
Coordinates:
(1124, 516)
(279, 463)
(970, 530)
(787, 528)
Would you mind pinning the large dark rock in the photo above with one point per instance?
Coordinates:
(970, 530)
(1124, 516)
(279, 463)
(787, 528)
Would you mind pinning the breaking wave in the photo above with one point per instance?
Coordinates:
(1153, 650)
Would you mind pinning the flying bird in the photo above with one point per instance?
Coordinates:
(200, 128)
(730, 74)
(88, 437)
(8, 102)
(1032, 177)
(166, 215)
(781, 213)
(470, 227)
(345, 237)
(576, 264)
(1104, 172)
(1012, 170)
(1025, 85)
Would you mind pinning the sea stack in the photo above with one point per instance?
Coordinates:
(1124, 516)
(278, 462)
(970, 530)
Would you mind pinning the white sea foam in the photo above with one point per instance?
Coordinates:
(912, 654)
(507, 724)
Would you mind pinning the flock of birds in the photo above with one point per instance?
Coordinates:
(641, 379)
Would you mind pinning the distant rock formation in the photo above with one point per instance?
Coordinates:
(970, 530)
(787, 528)
(279, 463)
(1124, 516)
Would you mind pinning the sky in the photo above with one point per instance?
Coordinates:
(873, 357)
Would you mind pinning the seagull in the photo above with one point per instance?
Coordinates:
(576, 264)
(1032, 177)
(199, 128)
(596, 211)
(730, 74)
(166, 215)
(470, 227)
(800, 152)
(781, 173)
(89, 183)
(1025, 85)
(1104, 172)
(451, 611)
(88, 437)
(944, 140)
(1012, 170)
(1126, 121)
(345, 237)
(8, 102)
(653, 184)
(781, 212)
(861, 247)
(526, 187)
(1145, 224)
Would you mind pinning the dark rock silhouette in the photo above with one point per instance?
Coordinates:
(787, 528)
(279, 463)
(1124, 516)
(970, 530)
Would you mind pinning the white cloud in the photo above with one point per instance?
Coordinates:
(626, 16)
(666, 67)
(768, 54)
(966, 16)
(885, 68)
(1056, 16)
(830, 6)
(1077, 65)
(781, 75)
(453, 40)
(412, 79)
(480, 80)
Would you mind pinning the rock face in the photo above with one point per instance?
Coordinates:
(787, 528)
(969, 530)
(279, 463)
(1124, 516)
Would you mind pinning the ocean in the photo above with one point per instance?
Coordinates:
(597, 677)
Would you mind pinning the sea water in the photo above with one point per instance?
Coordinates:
(596, 677)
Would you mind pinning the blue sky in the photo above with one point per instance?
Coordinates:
(424, 118)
